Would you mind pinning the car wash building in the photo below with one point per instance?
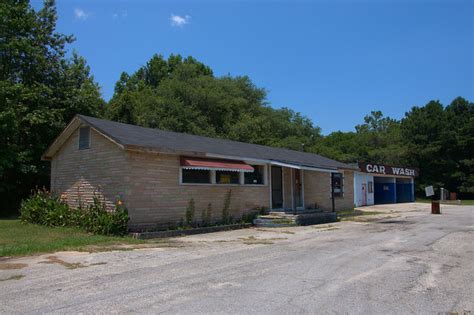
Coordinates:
(379, 184)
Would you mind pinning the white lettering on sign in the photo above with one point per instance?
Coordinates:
(375, 169)
(403, 171)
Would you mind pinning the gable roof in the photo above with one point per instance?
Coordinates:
(136, 137)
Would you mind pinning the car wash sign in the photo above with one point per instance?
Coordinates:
(388, 169)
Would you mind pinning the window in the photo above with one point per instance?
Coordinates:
(371, 187)
(84, 138)
(256, 177)
(227, 177)
(337, 184)
(196, 176)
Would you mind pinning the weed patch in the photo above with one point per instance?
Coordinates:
(14, 277)
(56, 260)
(7, 266)
(252, 240)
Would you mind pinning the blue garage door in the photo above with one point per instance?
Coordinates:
(404, 192)
(384, 193)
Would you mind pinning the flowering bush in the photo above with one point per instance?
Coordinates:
(45, 209)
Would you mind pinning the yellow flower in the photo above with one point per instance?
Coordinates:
(119, 202)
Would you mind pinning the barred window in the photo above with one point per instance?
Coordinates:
(337, 184)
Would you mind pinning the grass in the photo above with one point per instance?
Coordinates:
(463, 202)
(346, 215)
(21, 239)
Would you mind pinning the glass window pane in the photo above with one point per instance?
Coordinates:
(256, 177)
(227, 177)
(196, 176)
(84, 138)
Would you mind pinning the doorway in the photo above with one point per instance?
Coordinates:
(277, 187)
(364, 194)
(298, 189)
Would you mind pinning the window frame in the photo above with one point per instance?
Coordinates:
(213, 178)
(89, 144)
(264, 173)
(181, 182)
(370, 187)
(341, 193)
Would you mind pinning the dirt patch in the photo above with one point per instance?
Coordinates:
(14, 277)
(125, 247)
(8, 266)
(56, 260)
(252, 240)
(275, 231)
(322, 228)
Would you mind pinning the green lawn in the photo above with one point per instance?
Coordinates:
(463, 202)
(19, 239)
(345, 215)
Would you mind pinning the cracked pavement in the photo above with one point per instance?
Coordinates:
(403, 261)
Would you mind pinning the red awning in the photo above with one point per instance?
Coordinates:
(215, 164)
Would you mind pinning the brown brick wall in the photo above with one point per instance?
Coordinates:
(148, 184)
(317, 190)
(79, 174)
(157, 198)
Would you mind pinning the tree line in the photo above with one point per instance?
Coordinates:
(42, 87)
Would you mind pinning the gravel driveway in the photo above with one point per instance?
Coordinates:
(403, 261)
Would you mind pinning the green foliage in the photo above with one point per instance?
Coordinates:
(40, 91)
(226, 209)
(45, 209)
(183, 95)
(249, 216)
(436, 139)
(440, 142)
(96, 219)
(190, 210)
(207, 218)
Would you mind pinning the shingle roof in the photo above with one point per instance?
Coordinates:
(136, 136)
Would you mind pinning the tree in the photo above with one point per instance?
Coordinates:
(40, 91)
(440, 142)
(183, 95)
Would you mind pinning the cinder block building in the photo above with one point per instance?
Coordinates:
(155, 173)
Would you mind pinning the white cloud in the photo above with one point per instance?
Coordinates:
(120, 14)
(80, 14)
(180, 21)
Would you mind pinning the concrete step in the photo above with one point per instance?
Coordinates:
(284, 219)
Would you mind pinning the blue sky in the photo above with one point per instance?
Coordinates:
(333, 61)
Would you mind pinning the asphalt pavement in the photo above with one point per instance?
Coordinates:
(403, 261)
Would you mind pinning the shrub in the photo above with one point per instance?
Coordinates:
(45, 209)
(249, 216)
(190, 212)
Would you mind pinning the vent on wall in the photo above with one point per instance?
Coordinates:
(84, 138)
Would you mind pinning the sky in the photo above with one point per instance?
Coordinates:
(333, 61)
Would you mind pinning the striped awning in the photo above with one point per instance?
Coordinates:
(215, 164)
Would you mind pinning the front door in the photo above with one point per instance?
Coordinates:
(277, 187)
(364, 194)
(298, 189)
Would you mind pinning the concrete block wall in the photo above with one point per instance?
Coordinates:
(158, 199)
(317, 190)
(102, 170)
(149, 185)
